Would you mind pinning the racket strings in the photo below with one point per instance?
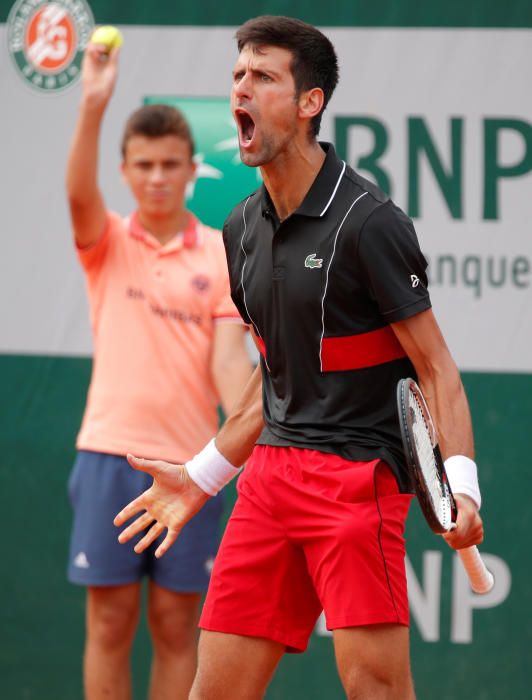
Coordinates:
(423, 433)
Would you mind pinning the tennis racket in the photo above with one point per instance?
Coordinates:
(425, 465)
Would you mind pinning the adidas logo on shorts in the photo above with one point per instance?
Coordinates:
(208, 564)
(81, 561)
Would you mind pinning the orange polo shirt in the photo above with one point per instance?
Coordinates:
(153, 313)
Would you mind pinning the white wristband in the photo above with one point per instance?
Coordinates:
(462, 475)
(210, 470)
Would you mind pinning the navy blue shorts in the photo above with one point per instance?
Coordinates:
(100, 485)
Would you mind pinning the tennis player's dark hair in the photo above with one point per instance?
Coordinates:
(157, 120)
(314, 62)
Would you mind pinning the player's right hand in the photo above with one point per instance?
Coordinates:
(99, 72)
(469, 529)
(169, 503)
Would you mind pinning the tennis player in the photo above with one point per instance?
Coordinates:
(169, 345)
(328, 273)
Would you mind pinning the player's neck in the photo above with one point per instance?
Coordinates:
(290, 175)
(164, 227)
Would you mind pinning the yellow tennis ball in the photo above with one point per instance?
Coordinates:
(110, 37)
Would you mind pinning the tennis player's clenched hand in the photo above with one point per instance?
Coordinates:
(469, 530)
(169, 503)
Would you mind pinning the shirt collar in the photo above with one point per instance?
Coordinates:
(188, 238)
(322, 191)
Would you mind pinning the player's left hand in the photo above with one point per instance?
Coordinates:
(469, 529)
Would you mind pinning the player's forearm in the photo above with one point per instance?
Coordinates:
(231, 376)
(440, 382)
(447, 401)
(240, 431)
(82, 165)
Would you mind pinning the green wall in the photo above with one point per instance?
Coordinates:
(42, 615)
(354, 13)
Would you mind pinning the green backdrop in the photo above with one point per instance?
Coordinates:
(355, 13)
(42, 616)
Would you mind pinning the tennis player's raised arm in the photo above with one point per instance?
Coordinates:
(179, 491)
(440, 382)
(87, 207)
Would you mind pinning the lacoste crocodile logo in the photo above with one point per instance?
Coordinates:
(311, 261)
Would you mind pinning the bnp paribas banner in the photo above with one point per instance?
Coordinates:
(441, 118)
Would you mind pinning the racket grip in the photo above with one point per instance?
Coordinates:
(480, 578)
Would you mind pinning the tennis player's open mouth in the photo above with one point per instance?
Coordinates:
(246, 127)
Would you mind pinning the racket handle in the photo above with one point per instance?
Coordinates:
(480, 578)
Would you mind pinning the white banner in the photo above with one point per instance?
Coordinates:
(441, 116)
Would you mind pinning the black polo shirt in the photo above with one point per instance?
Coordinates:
(320, 290)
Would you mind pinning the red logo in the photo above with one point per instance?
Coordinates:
(51, 38)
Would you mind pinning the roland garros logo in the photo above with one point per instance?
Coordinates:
(46, 41)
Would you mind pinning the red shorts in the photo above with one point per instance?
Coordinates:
(309, 531)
